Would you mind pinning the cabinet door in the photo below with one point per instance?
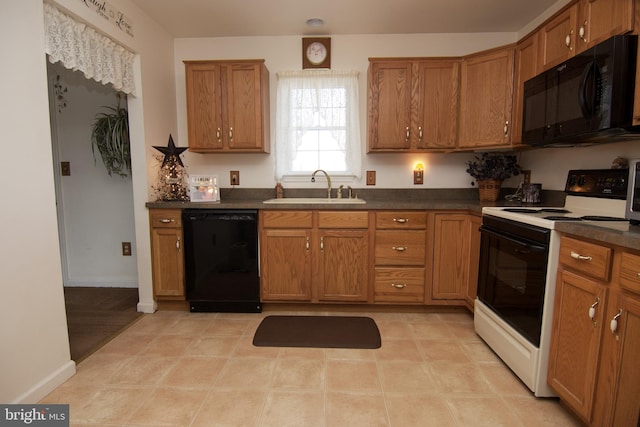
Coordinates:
(204, 106)
(243, 109)
(343, 265)
(625, 343)
(389, 116)
(558, 38)
(450, 257)
(602, 19)
(285, 259)
(486, 92)
(475, 221)
(435, 125)
(168, 262)
(575, 340)
(526, 67)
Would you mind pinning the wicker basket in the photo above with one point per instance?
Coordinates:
(489, 189)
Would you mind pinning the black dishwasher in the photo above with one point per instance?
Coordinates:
(221, 260)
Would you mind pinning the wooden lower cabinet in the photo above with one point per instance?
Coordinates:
(314, 256)
(343, 265)
(167, 257)
(286, 265)
(400, 257)
(576, 340)
(455, 253)
(595, 344)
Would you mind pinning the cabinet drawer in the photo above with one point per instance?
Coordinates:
(630, 272)
(399, 284)
(286, 219)
(343, 219)
(588, 258)
(400, 247)
(401, 220)
(165, 218)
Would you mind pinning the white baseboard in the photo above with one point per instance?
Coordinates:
(48, 384)
(96, 283)
(149, 308)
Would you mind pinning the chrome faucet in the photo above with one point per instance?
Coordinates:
(313, 179)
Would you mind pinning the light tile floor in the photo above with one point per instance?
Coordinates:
(182, 369)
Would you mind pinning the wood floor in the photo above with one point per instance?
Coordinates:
(97, 315)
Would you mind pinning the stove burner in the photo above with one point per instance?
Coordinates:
(562, 218)
(534, 210)
(601, 218)
(583, 218)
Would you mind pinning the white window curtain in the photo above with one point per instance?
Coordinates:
(79, 47)
(322, 106)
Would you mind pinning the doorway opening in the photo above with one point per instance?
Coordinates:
(95, 216)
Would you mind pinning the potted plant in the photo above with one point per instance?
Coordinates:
(110, 134)
(489, 170)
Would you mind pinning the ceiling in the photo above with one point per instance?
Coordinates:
(237, 18)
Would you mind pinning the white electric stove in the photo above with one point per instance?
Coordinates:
(518, 263)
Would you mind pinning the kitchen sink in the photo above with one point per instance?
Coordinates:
(314, 200)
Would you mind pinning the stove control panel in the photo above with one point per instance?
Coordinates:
(608, 183)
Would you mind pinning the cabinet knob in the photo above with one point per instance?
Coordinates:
(614, 323)
(567, 40)
(592, 311)
(576, 255)
(582, 31)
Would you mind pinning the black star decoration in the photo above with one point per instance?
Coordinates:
(171, 151)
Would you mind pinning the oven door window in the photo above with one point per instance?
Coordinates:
(512, 281)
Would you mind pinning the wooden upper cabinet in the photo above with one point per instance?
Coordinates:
(486, 96)
(389, 104)
(526, 67)
(581, 26)
(412, 104)
(558, 38)
(227, 106)
(437, 98)
(599, 20)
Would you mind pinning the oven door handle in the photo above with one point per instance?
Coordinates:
(528, 246)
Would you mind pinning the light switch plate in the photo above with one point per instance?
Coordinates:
(234, 177)
(371, 177)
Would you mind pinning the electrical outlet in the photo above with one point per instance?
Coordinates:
(234, 177)
(65, 168)
(418, 177)
(371, 177)
(526, 177)
(126, 248)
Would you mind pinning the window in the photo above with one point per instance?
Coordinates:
(317, 123)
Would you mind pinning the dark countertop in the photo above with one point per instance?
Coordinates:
(430, 199)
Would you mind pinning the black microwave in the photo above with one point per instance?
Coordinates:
(586, 99)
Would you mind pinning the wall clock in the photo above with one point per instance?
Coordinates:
(316, 52)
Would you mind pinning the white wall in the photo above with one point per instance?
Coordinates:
(34, 355)
(34, 350)
(97, 208)
(347, 52)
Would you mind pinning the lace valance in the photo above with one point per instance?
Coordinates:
(79, 47)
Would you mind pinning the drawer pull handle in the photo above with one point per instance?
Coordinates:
(307, 244)
(638, 274)
(399, 248)
(576, 255)
(592, 312)
(399, 285)
(614, 323)
(178, 244)
(166, 220)
(401, 220)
